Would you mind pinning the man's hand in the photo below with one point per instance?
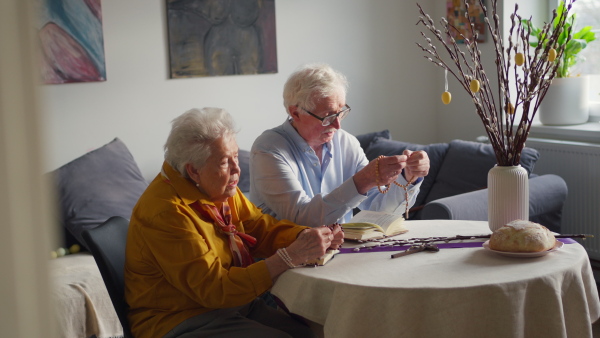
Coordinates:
(417, 165)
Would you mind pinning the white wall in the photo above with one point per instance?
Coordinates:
(372, 42)
(459, 120)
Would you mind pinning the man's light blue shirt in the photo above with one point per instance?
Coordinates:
(288, 181)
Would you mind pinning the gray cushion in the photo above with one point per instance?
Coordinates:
(244, 163)
(466, 166)
(366, 139)
(435, 152)
(102, 183)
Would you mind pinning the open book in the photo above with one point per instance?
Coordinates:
(323, 259)
(373, 224)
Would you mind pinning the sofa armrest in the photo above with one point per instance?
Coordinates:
(547, 195)
(470, 206)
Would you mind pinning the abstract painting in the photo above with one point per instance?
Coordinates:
(221, 37)
(71, 41)
(455, 14)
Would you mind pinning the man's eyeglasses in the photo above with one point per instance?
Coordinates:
(327, 120)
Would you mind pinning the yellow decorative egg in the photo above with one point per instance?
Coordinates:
(519, 59)
(510, 109)
(474, 85)
(53, 254)
(75, 248)
(552, 55)
(446, 97)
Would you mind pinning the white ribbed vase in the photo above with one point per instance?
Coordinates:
(508, 195)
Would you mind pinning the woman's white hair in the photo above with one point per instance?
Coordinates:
(192, 135)
(312, 82)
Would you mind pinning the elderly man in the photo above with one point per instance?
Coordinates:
(312, 172)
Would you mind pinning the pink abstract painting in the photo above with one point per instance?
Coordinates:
(71, 41)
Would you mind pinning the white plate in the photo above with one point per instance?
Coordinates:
(557, 246)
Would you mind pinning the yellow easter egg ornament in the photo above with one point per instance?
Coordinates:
(510, 109)
(446, 97)
(474, 85)
(552, 55)
(519, 59)
(75, 248)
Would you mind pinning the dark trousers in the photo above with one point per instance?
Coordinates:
(255, 319)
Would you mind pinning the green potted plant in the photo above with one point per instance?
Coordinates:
(578, 42)
(566, 101)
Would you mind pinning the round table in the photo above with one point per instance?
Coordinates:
(456, 292)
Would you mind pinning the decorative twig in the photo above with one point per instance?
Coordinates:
(391, 242)
(461, 238)
(532, 75)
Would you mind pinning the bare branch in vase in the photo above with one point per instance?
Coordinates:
(532, 72)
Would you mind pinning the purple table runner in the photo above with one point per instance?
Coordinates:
(440, 245)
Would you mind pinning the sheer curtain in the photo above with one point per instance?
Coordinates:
(588, 14)
(25, 220)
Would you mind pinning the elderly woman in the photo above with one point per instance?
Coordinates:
(189, 267)
(310, 171)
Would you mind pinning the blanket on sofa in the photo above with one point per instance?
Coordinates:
(77, 285)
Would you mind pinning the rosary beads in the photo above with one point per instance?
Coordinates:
(387, 187)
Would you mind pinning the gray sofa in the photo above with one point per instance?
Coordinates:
(107, 182)
(102, 183)
(456, 185)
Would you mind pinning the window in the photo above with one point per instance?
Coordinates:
(588, 14)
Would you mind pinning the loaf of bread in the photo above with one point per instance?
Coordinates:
(522, 236)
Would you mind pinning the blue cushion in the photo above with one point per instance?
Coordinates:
(244, 163)
(103, 183)
(466, 166)
(366, 139)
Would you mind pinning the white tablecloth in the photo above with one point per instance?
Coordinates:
(458, 292)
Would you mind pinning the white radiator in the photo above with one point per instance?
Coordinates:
(578, 164)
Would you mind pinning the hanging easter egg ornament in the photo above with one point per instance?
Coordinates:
(75, 248)
(552, 55)
(510, 109)
(446, 96)
(474, 85)
(519, 59)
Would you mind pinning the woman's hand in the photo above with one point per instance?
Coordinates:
(310, 244)
(338, 236)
